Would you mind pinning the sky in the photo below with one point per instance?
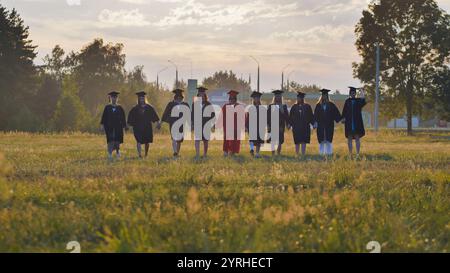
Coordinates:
(313, 40)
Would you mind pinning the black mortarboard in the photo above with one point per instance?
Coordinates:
(256, 94)
(352, 88)
(325, 91)
(277, 92)
(178, 91)
(233, 93)
(202, 89)
(113, 93)
(141, 94)
(301, 95)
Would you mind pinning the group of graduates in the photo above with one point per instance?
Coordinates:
(300, 118)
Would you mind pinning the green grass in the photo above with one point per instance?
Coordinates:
(58, 188)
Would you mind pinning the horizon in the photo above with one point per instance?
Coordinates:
(317, 38)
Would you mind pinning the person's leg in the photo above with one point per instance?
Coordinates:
(139, 149)
(350, 145)
(297, 149)
(178, 146)
(279, 149)
(322, 148)
(303, 149)
(258, 149)
(197, 148)
(117, 148)
(205, 148)
(358, 145)
(110, 148)
(329, 148)
(175, 147)
(147, 147)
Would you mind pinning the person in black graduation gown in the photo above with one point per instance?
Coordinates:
(113, 123)
(202, 98)
(141, 118)
(167, 117)
(325, 115)
(283, 119)
(257, 140)
(352, 118)
(301, 118)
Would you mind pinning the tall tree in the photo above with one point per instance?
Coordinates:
(17, 71)
(414, 37)
(226, 79)
(56, 64)
(98, 68)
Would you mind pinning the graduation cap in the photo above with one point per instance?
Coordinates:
(141, 94)
(325, 91)
(178, 91)
(233, 93)
(301, 95)
(113, 93)
(202, 89)
(277, 92)
(352, 89)
(256, 94)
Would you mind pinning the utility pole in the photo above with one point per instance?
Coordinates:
(282, 76)
(157, 77)
(176, 73)
(377, 89)
(257, 89)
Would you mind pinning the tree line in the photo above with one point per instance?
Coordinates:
(68, 91)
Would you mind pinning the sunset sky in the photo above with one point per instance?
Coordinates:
(315, 37)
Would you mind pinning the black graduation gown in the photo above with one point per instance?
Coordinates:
(113, 121)
(325, 121)
(259, 138)
(141, 120)
(204, 119)
(167, 115)
(354, 125)
(283, 120)
(301, 118)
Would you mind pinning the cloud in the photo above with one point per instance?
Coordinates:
(195, 13)
(109, 18)
(73, 2)
(317, 34)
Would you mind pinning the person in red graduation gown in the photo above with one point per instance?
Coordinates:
(231, 146)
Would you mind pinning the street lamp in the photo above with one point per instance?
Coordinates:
(257, 89)
(282, 76)
(157, 76)
(176, 73)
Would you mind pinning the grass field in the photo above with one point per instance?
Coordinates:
(56, 188)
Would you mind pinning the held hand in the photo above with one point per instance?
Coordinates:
(101, 128)
(158, 126)
(315, 125)
(343, 121)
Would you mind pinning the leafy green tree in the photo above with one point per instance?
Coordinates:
(17, 71)
(70, 113)
(97, 68)
(56, 64)
(226, 79)
(414, 37)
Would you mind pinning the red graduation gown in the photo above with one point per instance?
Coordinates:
(230, 146)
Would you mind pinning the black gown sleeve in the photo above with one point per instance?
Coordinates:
(166, 113)
(123, 121)
(154, 117)
(345, 110)
(310, 115)
(132, 117)
(337, 115)
(104, 116)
